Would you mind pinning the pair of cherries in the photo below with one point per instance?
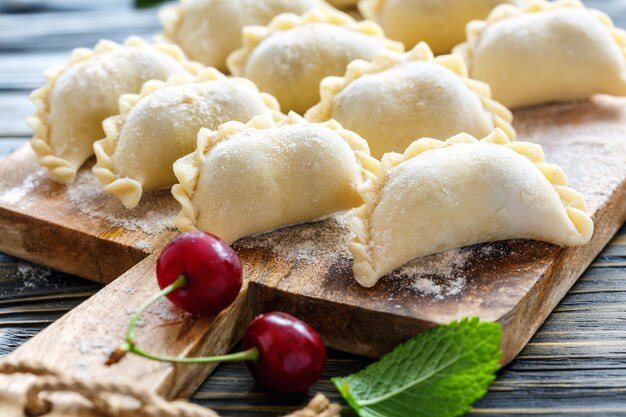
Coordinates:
(202, 275)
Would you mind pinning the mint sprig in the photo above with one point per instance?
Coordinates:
(438, 373)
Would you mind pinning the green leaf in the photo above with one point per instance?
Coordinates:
(142, 4)
(438, 373)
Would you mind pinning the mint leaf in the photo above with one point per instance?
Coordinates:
(438, 373)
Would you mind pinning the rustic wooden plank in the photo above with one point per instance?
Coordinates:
(515, 282)
(38, 6)
(9, 145)
(22, 281)
(85, 336)
(550, 402)
(232, 391)
(24, 71)
(14, 108)
(63, 31)
(102, 239)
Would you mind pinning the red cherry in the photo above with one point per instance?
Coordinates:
(211, 267)
(291, 353)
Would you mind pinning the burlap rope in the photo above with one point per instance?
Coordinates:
(101, 395)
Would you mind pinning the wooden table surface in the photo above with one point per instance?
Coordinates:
(574, 365)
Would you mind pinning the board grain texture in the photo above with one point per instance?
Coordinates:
(581, 343)
(516, 283)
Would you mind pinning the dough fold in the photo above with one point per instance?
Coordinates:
(292, 54)
(245, 179)
(78, 96)
(546, 51)
(208, 30)
(160, 124)
(440, 23)
(416, 93)
(441, 195)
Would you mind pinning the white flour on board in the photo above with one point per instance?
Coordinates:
(14, 195)
(154, 213)
(438, 276)
(593, 138)
(142, 245)
(33, 276)
(305, 243)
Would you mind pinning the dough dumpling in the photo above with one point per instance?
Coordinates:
(440, 23)
(398, 98)
(293, 54)
(80, 95)
(439, 196)
(161, 124)
(209, 30)
(546, 52)
(245, 179)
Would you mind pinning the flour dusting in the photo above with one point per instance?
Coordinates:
(142, 245)
(307, 242)
(33, 275)
(154, 214)
(16, 194)
(91, 347)
(580, 135)
(168, 312)
(439, 276)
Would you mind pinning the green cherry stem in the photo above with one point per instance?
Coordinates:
(129, 345)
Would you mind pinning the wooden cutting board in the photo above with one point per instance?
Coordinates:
(304, 270)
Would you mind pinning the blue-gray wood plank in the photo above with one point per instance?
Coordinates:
(574, 365)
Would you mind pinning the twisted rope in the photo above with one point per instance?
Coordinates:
(107, 398)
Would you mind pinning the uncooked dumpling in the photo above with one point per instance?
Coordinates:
(80, 95)
(209, 30)
(245, 179)
(444, 195)
(545, 52)
(440, 23)
(161, 124)
(398, 98)
(293, 54)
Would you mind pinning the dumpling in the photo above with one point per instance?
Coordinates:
(209, 30)
(444, 195)
(161, 124)
(545, 52)
(245, 179)
(293, 54)
(79, 96)
(398, 98)
(440, 23)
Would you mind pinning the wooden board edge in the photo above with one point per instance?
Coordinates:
(181, 381)
(359, 325)
(343, 327)
(35, 240)
(558, 279)
(75, 343)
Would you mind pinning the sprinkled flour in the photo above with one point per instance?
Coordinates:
(307, 242)
(439, 276)
(154, 213)
(15, 194)
(142, 245)
(579, 135)
(33, 276)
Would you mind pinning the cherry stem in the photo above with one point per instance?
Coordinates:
(130, 346)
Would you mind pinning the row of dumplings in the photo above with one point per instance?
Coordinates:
(241, 166)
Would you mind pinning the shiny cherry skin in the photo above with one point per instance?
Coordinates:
(212, 269)
(291, 353)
